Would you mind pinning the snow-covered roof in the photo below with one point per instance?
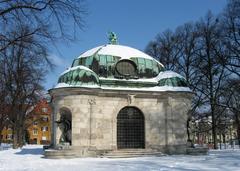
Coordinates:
(156, 88)
(63, 85)
(76, 67)
(168, 74)
(151, 78)
(90, 52)
(148, 80)
(153, 81)
(125, 52)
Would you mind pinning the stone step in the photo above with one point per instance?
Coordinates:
(197, 151)
(131, 153)
(134, 151)
(60, 154)
(125, 153)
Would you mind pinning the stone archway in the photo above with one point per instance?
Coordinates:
(130, 128)
(65, 125)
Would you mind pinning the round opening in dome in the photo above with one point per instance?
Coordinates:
(126, 68)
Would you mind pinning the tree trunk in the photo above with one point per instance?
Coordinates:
(21, 137)
(238, 127)
(15, 137)
(0, 136)
(214, 133)
(220, 136)
(224, 140)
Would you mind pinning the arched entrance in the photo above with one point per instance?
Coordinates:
(65, 125)
(130, 128)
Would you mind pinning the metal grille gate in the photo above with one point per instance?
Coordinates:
(130, 128)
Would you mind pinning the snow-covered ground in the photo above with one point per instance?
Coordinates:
(30, 159)
(4, 146)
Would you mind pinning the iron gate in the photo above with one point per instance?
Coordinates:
(130, 128)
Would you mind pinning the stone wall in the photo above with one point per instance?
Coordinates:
(94, 117)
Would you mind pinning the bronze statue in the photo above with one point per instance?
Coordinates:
(65, 126)
(112, 37)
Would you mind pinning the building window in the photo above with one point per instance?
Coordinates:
(35, 131)
(44, 109)
(35, 123)
(44, 128)
(45, 118)
(9, 136)
(44, 138)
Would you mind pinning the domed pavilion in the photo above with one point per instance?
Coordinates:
(115, 97)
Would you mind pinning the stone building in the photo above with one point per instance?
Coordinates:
(115, 97)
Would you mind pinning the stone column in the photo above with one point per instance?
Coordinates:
(56, 128)
(75, 126)
(53, 130)
(91, 102)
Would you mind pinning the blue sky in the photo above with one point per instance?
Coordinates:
(135, 22)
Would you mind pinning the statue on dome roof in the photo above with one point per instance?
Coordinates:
(112, 37)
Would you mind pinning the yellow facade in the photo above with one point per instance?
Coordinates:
(38, 126)
(7, 135)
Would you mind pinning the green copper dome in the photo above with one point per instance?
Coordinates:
(115, 66)
(80, 76)
(170, 78)
(104, 60)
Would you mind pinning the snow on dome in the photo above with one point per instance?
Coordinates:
(168, 74)
(150, 89)
(103, 67)
(90, 52)
(74, 68)
(64, 85)
(171, 79)
(78, 76)
(124, 52)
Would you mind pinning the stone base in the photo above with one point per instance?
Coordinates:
(129, 153)
(79, 151)
(67, 153)
(197, 151)
(175, 149)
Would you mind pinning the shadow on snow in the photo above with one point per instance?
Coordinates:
(33, 151)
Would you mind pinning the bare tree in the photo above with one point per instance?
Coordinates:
(231, 100)
(165, 49)
(187, 65)
(230, 19)
(178, 51)
(47, 20)
(207, 54)
(24, 68)
(213, 72)
(3, 108)
(27, 28)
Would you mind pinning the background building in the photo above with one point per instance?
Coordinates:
(7, 135)
(226, 132)
(38, 127)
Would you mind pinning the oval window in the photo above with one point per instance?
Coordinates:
(126, 68)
